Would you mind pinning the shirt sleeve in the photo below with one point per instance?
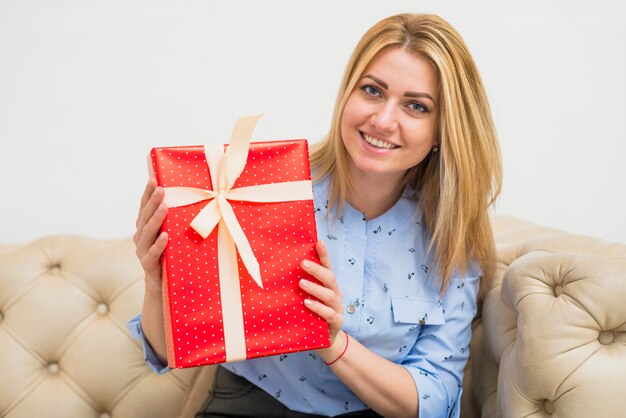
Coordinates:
(440, 354)
(134, 326)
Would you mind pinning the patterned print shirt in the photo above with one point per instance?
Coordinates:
(392, 303)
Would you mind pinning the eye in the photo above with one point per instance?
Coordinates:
(418, 107)
(370, 90)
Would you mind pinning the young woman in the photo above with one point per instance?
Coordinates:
(402, 186)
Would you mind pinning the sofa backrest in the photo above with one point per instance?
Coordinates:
(65, 350)
(553, 335)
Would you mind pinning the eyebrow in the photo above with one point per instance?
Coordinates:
(406, 94)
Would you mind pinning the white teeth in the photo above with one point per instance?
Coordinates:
(377, 142)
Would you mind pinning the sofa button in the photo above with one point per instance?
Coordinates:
(53, 368)
(102, 309)
(1, 316)
(606, 337)
(558, 290)
(105, 415)
(548, 406)
(351, 309)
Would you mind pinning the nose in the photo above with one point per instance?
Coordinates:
(384, 119)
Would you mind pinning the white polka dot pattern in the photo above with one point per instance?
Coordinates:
(281, 234)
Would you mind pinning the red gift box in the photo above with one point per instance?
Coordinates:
(240, 220)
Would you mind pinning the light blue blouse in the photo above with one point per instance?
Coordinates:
(392, 302)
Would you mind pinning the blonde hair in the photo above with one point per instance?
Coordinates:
(457, 184)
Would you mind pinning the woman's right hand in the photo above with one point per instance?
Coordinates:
(149, 246)
(149, 241)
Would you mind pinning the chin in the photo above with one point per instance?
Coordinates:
(375, 169)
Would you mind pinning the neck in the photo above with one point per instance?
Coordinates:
(374, 195)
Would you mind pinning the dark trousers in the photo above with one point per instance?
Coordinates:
(234, 396)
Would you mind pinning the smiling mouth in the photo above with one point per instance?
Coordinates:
(377, 142)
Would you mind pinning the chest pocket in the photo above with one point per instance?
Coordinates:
(417, 310)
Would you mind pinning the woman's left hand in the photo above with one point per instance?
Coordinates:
(329, 299)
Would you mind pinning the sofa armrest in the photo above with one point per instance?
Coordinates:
(556, 328)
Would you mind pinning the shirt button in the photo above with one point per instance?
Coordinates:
(351, 309)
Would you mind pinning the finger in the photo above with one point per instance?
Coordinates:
(332, 317)
(149, 232)
(148, 210)
(323, 254)
(147, 192)
(321, 273)
(148, 213)
(149, 206)
(151, 261)
(325, 295)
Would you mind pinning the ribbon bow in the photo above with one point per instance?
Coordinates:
(225, 168)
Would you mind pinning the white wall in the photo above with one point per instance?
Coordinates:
(88, 87)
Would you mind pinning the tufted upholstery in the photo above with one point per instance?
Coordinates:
(552, 340)
(553, 337)
(64, 347)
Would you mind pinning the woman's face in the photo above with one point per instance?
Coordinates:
(389, 120)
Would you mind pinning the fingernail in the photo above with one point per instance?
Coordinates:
(304, 282)
(306, 264)
(322, 244)
(308, 302)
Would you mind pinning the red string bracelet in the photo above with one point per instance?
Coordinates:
(343, 352)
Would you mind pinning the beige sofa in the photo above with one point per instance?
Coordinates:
(552, 340)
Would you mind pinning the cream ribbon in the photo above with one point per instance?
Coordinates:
(225, 168)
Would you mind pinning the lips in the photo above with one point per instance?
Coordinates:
(375, 142)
